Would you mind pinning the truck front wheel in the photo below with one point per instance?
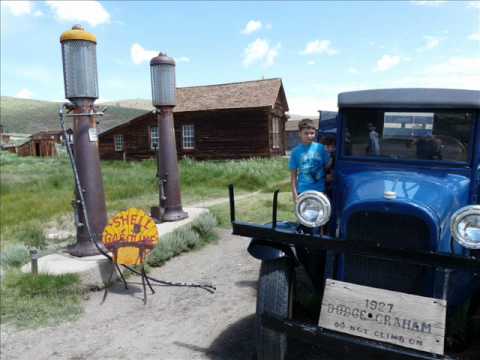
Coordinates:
(275, 295)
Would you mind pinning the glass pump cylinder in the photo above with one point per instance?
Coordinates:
(79, 58)
(162, 70)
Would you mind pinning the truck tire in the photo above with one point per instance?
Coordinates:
(275, 295)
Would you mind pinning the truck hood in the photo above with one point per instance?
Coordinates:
(432, 197)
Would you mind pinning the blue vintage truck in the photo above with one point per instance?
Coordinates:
(396, 268)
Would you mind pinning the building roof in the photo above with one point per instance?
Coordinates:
(48, 132)
(411, 98)
(240, 95)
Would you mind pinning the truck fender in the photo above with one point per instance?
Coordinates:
(263, 250)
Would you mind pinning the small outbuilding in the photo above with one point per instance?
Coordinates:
(224, 121)
(43, 143)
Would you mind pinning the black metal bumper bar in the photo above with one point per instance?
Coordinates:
(277, 236)
(271, 234)
(358, 348)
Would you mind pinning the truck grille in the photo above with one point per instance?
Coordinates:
(392, 231)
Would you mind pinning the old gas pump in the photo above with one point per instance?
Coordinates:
(81, 88)
(164, 99)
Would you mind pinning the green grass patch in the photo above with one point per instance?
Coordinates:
(14, 256)
(32, 301)
(194, 236)
(35, 191)
(257, 209)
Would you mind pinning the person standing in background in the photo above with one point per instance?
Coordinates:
(308, 162)
(373, 147)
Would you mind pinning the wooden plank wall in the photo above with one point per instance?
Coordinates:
(25, 149)
(223, 134)
(45, 148)
(136, 139)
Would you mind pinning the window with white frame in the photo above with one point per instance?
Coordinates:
(118, 142)
(188, 136)
(275, 132)
(154, 137)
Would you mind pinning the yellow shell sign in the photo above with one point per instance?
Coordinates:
(130, 236)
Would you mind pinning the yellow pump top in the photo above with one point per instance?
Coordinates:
(77, 33)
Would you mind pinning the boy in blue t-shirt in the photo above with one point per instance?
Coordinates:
(308, 162)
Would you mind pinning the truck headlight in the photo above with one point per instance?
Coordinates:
(465, 226)
(313, 209)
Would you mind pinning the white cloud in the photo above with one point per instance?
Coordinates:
(352, 70)
(309, 105)
(475, 36)
(91, 12)
(430, 42)
(260, 51)
(140, 55)
(459, 72)
(38, 13)
(429, 2)
(386, 62)
(271, 55)
(183, 59)
(474, 4)
(252, 26)
(311, 62)
(456, 72)
(18, 8)
(319, 47)
(24, 94)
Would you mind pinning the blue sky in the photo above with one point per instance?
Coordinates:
(318, 48)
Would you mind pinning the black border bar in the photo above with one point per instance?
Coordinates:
(276, 236)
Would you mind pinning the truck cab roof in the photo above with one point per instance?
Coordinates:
(412, 98)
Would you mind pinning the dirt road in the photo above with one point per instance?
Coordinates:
(176, 323)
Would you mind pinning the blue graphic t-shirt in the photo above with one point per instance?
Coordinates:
(309, 161)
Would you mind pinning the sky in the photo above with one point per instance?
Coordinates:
(318, 49)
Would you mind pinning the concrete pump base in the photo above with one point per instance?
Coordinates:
(94, 271)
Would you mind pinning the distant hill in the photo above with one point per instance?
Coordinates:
(141, 104)
(30, 116)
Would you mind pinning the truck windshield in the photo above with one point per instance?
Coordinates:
(411, 135)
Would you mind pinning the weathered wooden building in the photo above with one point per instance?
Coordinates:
(43, 143)
(224, 121)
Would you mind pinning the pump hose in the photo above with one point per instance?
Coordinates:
(92, 236)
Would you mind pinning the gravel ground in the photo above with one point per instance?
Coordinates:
(176, 322)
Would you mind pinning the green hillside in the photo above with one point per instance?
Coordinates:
(30, 116)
